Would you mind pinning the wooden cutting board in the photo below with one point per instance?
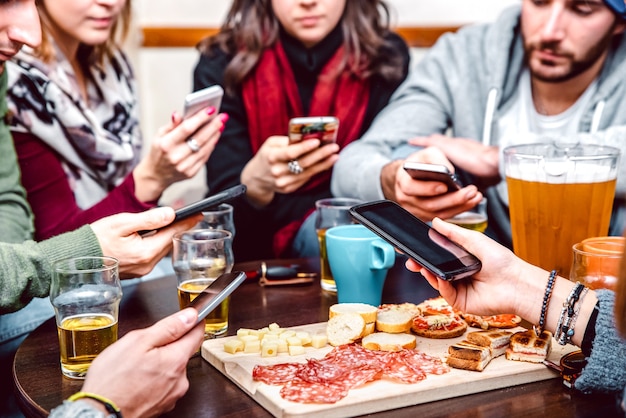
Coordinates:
(379, 395)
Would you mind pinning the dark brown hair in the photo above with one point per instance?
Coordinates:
(251, 26)
(88, 54)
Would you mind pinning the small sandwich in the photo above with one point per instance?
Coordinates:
(526, 346)
(496, 340)
(468, 356)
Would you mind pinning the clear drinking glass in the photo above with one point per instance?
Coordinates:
(597, 261)
(331, 212)
(474, 219)
(219, 218)
(86, 294)
(199, 257)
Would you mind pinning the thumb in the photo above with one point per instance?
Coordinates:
(129, 223)
(171, 328)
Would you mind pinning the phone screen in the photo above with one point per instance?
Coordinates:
(215, 294)
(416, 239)
(433, 172)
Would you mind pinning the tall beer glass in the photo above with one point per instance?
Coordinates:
(559, 194)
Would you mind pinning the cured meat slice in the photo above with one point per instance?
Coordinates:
(321, 372)
(423, 362)
(400, 370)
(360, 375)
(276, 374)
(308, 392)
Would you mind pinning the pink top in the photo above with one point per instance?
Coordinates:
(51, 197)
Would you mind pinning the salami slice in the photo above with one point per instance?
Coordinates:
(360, 375)
(276, 374)
(423, 362)
(308, 392)
(398, 369)
(321, 372)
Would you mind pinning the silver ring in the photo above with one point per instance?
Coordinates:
(193, 144)
(295, 167)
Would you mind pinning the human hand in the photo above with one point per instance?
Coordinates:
(144, 372)
(268, 172)
(171, 158)
(428, 199)
(467, 154)
(504, 284)
(118, 237)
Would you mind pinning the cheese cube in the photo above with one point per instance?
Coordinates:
(283, 347)
(246, 338)
(287, 333)
(233, 346)
(273, 326)
(304, 336)
(319, 340)
(252, 346)
(295, 350)
(242, 332)
(294, 341)
(269, 350)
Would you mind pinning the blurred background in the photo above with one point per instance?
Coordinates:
(165, 32)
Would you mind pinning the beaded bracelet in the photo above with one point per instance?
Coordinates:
(108, 404)
(565, 327)
(544, 305)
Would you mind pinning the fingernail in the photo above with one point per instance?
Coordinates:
(224, 117)
(222, 127)
(186, 316)
(210, 110)
(174, 117)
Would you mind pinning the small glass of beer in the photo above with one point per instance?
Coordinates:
(474, 219)
(330, 212)
(85, 293)
(199, 257)
(558, 195)
(597, 261)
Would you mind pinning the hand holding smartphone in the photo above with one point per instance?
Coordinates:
(202, 99)
(215, 294)
(323, 128)
(204, 204)
(433, 172)
(432, 250)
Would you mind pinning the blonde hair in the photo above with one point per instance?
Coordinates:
(88, 54)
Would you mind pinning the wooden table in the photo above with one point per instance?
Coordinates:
(40, 385)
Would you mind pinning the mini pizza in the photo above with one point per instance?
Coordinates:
(492, 321)
(439, 326)
(435, 306)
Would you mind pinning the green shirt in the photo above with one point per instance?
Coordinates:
(25, 265)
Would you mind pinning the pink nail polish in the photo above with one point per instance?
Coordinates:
(224, 117)
(210, 110)
(174, 117)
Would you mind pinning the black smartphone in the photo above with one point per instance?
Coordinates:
(201, 99)
(433, 172)
(215, 294)
(206, 203)
(441, 256)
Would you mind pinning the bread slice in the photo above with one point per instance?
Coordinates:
(345, 328)
(370, 328)
(474, 365)
(496, 340)
(467, 351)
(368, 312)
(526, 346)
(394, 321)
(385, 341)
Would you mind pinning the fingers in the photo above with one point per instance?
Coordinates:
(125, 224)
(173, 328)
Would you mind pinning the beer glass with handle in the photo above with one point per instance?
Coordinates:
(558, 195)
(199, 257)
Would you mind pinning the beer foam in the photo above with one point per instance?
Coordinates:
(561, 171)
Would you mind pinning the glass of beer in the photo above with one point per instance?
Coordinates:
(597, 261)
(558, 195)
(199, 257)
(333, 211)
(474, 219)
(86, 294)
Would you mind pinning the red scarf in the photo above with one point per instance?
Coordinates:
(271, 98)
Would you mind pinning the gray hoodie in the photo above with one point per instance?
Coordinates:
(464, 83)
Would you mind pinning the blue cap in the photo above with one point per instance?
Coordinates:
(618, 6)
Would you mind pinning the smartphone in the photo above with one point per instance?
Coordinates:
(438, 254)
(433, 172)
(215, 294)
(201, 99)
(204, 204)
(323, 128)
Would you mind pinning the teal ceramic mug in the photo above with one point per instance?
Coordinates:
(359, 261)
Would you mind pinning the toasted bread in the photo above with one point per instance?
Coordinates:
(474, 365)
(526, 346)
(439, 326)
(345, 328)
(467, 351)
(496, 340)
(394, 321)
(368, 312)
(385, 341)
